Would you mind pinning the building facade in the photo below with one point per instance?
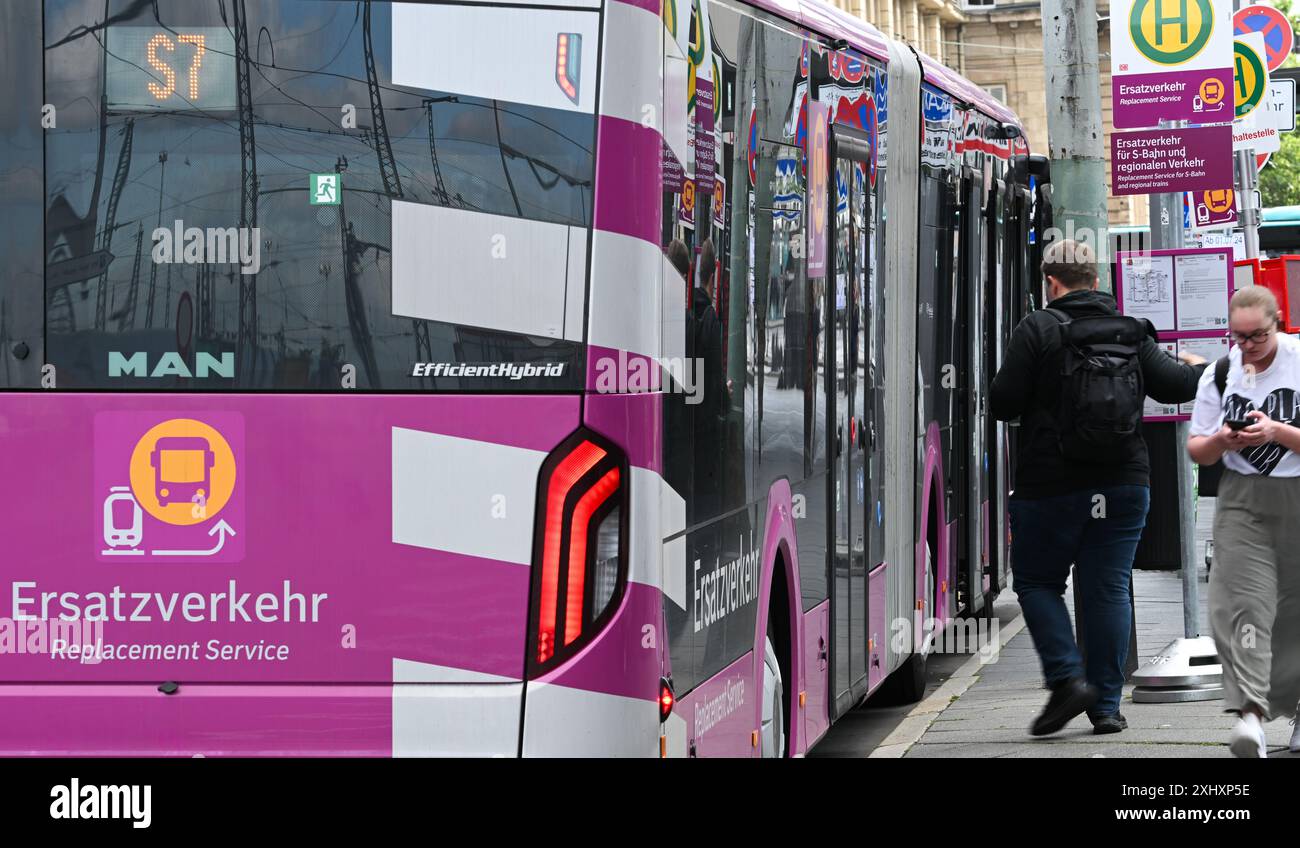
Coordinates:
(1001, 48)
(932, 26)
(998, 44)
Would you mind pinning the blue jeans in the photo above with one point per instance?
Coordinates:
(1048, 535)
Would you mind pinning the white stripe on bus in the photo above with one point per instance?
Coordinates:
(630, 86)
(464, 496)
(626, 294)
(527, 276)
(564, 722)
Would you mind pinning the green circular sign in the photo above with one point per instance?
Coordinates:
(1171, 39)
(1249, 78)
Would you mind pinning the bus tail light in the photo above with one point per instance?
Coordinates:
(568, 63)
(666, 699)
(579, 554)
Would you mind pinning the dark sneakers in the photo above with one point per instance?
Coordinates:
(1067, 701)
(1108, 724)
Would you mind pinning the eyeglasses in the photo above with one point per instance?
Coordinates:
(1255, 337)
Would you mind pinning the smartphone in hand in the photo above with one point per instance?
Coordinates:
(1238, 425)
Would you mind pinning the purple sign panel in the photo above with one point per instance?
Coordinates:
(705, 166)
(673, 172)
(169, 488)
(818, 151)
(1212, 209)
(1170, 160)
(1201, 97)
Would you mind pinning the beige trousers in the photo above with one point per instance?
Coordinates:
(1255, 592)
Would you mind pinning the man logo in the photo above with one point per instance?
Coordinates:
(1171, 32)
(171, 365)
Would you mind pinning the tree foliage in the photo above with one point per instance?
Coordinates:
(1279, 183)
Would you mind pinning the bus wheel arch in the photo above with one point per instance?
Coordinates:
(777, 649)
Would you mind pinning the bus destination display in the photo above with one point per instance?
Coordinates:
(170, 70)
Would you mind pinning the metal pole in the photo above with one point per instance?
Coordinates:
(1187, 669)
(1074, 124)
(1167, 234)
(1187, 535)
(1167, 212)
(1247, 183)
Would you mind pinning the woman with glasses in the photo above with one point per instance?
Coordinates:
(1252, 421)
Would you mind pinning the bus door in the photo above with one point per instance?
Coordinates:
(1018, 301)
(969, 442)
(1001, 265)
(848, 430)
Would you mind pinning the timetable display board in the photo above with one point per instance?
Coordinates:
(1184, 294)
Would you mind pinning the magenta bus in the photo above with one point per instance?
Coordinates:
(484, 472)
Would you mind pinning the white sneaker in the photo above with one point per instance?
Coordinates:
(1247, 740)
(1295, 737)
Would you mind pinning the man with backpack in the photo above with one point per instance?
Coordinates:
(1076, 374)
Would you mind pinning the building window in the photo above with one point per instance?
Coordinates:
(978, 4)
(999, 92)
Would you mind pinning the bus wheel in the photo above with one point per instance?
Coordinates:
(931, 597)
(908, 683)
(773, 701)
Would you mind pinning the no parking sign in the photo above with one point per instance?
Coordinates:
(1279, 38)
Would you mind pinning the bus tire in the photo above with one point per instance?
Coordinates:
(907, 684)
(911, 679)
(773, 732)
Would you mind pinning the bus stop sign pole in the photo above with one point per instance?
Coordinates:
(1187, 669)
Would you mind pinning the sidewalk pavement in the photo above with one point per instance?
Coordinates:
(985, 710)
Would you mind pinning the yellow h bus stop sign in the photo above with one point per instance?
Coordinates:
(1171, 32)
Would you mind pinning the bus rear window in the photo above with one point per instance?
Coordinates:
(195, 241)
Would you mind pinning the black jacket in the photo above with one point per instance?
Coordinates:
(706, 330)
(1028, 387)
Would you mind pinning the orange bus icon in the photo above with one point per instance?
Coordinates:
(1219, 201)
(1211, 91)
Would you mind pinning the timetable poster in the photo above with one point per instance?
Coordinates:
(1154, 409)
(1184, 293)
(1203, 280)
(1147, 282)
(1211, 349)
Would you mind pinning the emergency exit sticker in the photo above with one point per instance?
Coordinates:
(169, 488)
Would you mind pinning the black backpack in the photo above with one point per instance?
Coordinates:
(1101, 387)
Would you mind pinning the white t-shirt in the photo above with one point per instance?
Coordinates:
(1275, 392)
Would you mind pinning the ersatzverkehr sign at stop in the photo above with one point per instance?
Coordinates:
(1171, 60)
